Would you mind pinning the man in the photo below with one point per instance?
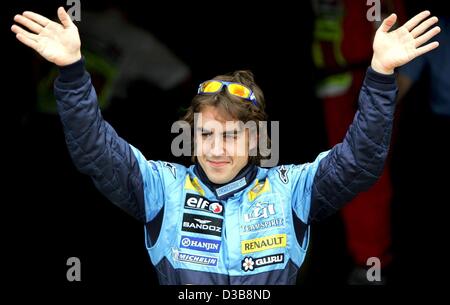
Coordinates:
(225, 220)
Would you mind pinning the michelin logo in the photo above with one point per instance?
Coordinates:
(203, 260)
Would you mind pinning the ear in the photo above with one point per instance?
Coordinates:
(253, 141)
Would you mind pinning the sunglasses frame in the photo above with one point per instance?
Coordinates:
(223, 83)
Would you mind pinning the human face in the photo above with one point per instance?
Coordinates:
(221, 145)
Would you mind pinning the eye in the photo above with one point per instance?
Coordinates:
(206, 134)
(231, 135)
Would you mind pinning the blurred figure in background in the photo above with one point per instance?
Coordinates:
(342, 49)
(420, 154)
(436, 66)
(118, 53)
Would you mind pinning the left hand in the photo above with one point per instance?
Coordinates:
(396, 48)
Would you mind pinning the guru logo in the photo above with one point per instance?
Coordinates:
(249, 263)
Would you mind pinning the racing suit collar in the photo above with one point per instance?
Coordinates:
(223, 191)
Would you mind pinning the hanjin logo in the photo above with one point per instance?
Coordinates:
(202, 224)
(200, 244)
(195, 202)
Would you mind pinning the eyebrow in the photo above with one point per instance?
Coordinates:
(226, 132)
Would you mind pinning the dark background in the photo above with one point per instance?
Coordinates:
(50, 212)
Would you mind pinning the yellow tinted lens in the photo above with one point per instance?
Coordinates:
(239, 90)
(210, 87)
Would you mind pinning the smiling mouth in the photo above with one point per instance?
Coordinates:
(217, 163)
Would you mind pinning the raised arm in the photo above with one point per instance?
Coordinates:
(355, 164)
(94, 146)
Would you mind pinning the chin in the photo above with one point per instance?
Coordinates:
(219, 180)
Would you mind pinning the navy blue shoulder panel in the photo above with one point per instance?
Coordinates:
(94, 146)
(355, 164)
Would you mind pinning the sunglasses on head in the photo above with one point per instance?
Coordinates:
(236, 89)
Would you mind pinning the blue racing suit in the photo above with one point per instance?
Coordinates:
(253, 230)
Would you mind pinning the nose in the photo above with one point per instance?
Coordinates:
(217, 148)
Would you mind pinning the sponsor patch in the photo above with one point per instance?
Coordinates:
(260, 210)
(224, 190)
(259, 189)
(250, 263)
(172, 168)
(263, 243)
(200, 244)
(195, 259)
(283, 173)
(202, 224)
(196, 202)
(193, 185)
(263, 225)
(264, 214)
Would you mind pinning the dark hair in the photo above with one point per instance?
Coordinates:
(231, 105)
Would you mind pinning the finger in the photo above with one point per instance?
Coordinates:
(388, 23)
(427, 36)
(424, 26)
(414, 21)
(427, 48)
(18, 30)
(30, 24)
(37, 18)
(64, 17)
(27, 41)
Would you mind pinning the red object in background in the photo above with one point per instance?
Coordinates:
(367, 217)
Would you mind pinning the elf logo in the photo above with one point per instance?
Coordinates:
(195, 202)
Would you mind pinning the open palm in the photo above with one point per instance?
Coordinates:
(57, 43)
(398, 47)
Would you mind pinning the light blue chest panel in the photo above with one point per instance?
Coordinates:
(250, 233)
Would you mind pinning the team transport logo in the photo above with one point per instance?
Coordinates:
(262, 216)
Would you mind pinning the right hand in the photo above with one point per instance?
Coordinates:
(57, 43)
